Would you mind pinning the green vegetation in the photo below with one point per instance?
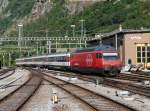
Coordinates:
(16, 9)
(100, 17)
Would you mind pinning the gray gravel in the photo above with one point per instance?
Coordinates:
(5, 91)
(42, 100)
(139, 102)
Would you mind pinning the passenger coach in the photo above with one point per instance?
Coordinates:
(47, 61)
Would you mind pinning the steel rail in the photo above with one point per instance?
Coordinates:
(77, 91)
(16, 99)
(133, 76)
(2, 72)
(6, 75)
(135, 88)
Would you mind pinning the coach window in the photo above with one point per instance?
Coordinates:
(50, 59)
(63, 59)
(39, 59)
(44, 59)
(59, 59)
(55, 59)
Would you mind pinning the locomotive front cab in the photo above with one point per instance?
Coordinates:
(111, 63)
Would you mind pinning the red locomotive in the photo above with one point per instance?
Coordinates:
(101, 59)
(97, 60)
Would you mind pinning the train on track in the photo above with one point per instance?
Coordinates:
(101, 59)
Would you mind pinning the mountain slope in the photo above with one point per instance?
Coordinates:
(99, 17)
(102, 16)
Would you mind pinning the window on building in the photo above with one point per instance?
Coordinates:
(148, 48)
(143, 54)
(138, 60)
(143, 48)
(148, 53)
(139, 54)
(138, 48)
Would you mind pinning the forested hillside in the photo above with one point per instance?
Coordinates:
(15, 9)
(99, 17)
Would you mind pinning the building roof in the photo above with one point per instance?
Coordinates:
(96, 48)
(123, 31)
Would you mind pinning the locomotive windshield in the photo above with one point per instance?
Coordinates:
(110, 56)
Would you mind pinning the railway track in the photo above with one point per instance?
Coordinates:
(15, 100)
(6, 75)
(134, 88)
(121, 84)
(92, 99)
(123, 76)
(2, 72)
(116, 83)
(141, 73)
(133, 77)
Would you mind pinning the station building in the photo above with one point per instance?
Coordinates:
(133, 45)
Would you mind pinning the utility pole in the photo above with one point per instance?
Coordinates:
(20, 36)
(9, 59)
(84, 33)
(66, 37)
(47, 42)
(28, 53)
(49, 47)
(82, 26)
(73, 30)
(37, 50)
(82, 30)
(3, 60)
(99, 36)
(43, 50)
